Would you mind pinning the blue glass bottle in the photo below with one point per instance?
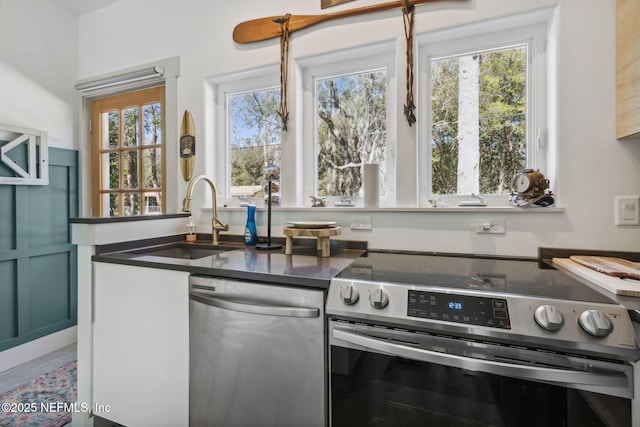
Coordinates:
(250, 231)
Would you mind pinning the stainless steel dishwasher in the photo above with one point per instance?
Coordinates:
(257, 354)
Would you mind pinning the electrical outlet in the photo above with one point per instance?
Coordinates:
(627, 209)
(361, 223)
(494, 226)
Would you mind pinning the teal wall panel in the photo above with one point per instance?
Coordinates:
(49, 290)
(38, 263)
(48, 210)
(7, 217)
(8, 301)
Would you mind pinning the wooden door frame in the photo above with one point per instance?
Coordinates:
(120, 101)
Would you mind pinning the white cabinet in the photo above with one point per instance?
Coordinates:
(141, 345)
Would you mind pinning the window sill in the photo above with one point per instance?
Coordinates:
(455, 209)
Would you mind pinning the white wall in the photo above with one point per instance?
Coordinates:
(38, 67)
(590, 166)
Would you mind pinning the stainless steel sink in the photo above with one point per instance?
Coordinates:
(184, 251)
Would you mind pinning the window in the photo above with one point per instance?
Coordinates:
(481, 113)
(348, 123)
(248, 126)
(478, 121)
(254, 139)
(351, 131)
(128, 156)
(342, 124)
(485, 108)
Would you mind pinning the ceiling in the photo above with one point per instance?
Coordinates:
(80, 7)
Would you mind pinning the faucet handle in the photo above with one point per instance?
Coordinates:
(220, 226)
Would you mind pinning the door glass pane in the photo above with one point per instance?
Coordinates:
(110, 171)
(152, 124)
(110, 204)
(152, 204)
(131, 123)
(112, 130)
(130, 169)
(351, 117)
(131, 204)
(152, 168)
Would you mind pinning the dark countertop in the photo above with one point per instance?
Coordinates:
(304, 268)
(130, 218)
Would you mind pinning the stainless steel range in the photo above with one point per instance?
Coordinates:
(443, 340)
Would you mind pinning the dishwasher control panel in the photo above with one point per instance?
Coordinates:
(481, 311)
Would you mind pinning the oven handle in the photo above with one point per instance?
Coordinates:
(536, 373)
(255, 308)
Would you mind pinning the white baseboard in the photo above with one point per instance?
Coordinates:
(36, 348)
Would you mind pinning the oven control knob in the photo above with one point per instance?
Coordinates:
(378, 298)
(548, 318)
(596, 323)
(349, 294)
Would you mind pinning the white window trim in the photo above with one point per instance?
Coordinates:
(530, 29)
(253, 80)
(372, 57)
(298, 144)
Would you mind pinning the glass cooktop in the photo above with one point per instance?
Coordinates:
(517, 277)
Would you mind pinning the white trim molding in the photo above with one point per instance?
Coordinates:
(37, 168)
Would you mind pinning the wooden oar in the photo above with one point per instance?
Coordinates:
(270, 27)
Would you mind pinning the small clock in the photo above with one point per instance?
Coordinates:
(522, 183)
(530, 183)
(530, 187)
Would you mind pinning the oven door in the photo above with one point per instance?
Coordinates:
(390, 377)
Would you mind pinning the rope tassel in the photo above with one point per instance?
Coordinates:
(408, 14)
(284, 69)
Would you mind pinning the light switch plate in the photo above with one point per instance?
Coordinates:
(627, 210)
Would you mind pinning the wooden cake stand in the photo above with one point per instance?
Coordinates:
(323, 235)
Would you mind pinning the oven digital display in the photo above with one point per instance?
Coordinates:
(482, 311)
(455, 305)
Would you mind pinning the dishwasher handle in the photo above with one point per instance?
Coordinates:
(254, 307)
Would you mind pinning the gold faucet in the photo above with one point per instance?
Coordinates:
(216, 225)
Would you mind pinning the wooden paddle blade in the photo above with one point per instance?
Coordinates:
(271, 27)
(257, 30)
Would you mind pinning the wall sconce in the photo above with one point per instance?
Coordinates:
(133, 76)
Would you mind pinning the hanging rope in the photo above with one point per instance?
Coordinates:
(284, 69)
(408, 13)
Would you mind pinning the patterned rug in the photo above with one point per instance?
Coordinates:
(45, 401)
